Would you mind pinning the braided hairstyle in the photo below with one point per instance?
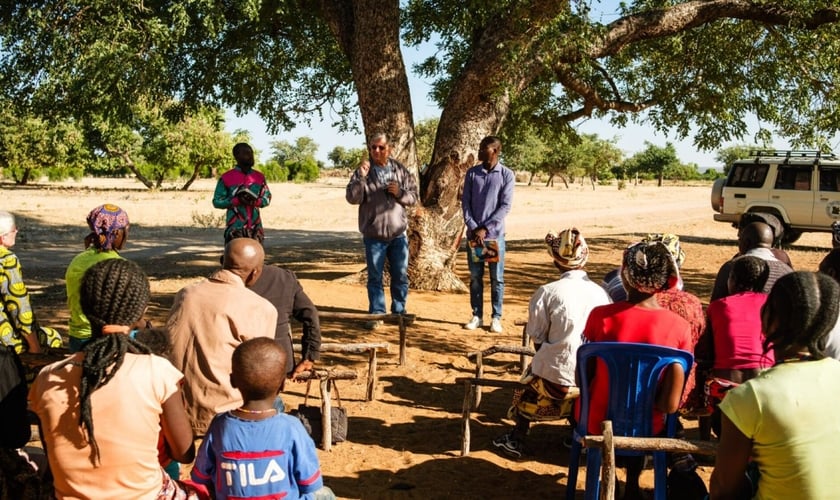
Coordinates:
(113, 292)
(800, 311)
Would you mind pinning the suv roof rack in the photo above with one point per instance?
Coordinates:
(789, 154)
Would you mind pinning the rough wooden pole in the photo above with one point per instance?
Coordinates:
(523, 361)
(465, 419)
(607, 462)
(479, 373)
(402, 340)
(371, 377)
(326, 415)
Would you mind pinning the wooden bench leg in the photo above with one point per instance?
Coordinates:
(479, 373)
(402, 340)
(326, 415)
(465, 419)
(371, 377)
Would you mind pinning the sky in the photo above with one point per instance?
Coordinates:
(630, 139)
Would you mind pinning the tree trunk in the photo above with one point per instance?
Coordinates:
(192, 178)
(476, 106)
(372, 46)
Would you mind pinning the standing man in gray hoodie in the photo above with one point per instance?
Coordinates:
(383, 187)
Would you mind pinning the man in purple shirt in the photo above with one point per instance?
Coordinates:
(487, 198)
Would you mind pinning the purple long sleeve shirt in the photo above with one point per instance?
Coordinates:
(487, 199)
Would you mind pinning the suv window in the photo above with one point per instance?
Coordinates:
(829, 179)
(748, 175)
(796, 178)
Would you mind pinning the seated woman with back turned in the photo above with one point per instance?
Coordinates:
(780, 431)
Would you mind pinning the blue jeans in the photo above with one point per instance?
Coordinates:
(396, 251)
(497, 283)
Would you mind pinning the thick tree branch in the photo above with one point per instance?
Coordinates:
(593, 100)
(684, 16)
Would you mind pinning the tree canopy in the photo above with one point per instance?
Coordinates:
(686, 67)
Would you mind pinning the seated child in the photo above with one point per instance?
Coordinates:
(273, 447)
(735, 322)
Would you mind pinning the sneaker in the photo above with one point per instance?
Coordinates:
(496, 325)
(508, 445)
(474, 323)
(373, 324)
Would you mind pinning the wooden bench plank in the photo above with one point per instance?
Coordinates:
(402, 320)
(371, 348)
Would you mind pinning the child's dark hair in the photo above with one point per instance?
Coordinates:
(259, 367)
(749, 274)
(113, 292)
(800, 311)
(156, 339)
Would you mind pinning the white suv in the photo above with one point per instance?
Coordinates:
(801, 188)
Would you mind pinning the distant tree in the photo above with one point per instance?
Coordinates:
(298, 158)
(424, 138)
(598, 157)
(726, 156)
(195, 146)
(304, 148)
(654, 160)
(31, 147)
(346, 158)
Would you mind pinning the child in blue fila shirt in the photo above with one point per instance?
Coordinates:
(254, 451)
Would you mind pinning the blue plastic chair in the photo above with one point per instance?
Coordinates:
(634, 372)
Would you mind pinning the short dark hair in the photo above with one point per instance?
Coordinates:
(259, 366)
(800, 311)
(239, 146)
(749, 274)
(156, 339)
(492, 139)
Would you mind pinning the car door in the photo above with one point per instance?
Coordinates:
(827, 202)
(792, 190)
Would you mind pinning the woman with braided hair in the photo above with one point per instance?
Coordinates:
(102, 409)
(780, 431)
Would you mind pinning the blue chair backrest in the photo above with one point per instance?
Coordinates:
(634, 372)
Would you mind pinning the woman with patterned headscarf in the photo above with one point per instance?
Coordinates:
(556, 315)
(108, 233)
(647, 268)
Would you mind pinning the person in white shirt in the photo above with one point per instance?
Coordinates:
(556, 317)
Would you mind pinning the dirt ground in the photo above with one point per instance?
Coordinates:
(407, 443)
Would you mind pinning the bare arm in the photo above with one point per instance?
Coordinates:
(177, 430)
(670, 389)
(728, 478)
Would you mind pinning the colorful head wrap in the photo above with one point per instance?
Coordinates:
(649, 267)
(672, 241)
(568, 249)
(105, 221)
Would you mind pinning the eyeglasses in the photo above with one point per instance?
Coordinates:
(378, 148)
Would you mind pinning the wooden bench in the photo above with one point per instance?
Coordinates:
(372, 349)
(473, 384)
(324, 378)
(609, 443)
(402, 320)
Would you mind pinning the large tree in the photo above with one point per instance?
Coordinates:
(700, 65)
